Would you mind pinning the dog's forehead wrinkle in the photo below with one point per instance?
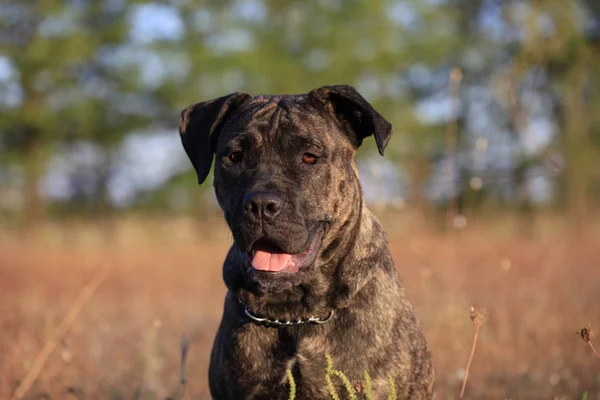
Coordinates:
(281, 118)
(274, 124)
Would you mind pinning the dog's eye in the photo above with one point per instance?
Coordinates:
(309, 158)
(235, 156)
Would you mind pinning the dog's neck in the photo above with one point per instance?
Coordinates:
(331, 286)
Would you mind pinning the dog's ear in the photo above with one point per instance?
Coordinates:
(198, 128)
(352, 108)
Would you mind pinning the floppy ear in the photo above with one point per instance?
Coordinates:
(352, 108)
(198, 126)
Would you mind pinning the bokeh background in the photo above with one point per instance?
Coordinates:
(489, 189)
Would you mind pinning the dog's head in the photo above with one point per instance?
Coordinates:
(284, 174)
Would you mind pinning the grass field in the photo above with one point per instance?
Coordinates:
(166, 283)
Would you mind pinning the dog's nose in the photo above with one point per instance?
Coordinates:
(262, 206)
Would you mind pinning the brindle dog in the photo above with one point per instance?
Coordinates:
(309, 272)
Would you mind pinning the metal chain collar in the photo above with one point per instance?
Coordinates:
(277, 322)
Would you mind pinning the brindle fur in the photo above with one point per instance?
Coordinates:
(374, 328)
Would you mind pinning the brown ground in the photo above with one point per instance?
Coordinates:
(167, 283)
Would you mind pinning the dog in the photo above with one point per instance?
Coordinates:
(309, 274)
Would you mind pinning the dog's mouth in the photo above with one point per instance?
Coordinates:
(266, 256)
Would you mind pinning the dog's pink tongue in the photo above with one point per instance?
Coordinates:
(265, 261)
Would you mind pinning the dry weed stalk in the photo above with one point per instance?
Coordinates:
(479, 317)
(84, 295)
(586, 335)
(180, 391)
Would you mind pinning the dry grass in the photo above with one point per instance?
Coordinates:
(586, 335)
(167, 283)
(478, 317)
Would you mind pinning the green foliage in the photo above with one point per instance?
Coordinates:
(348, 387)
(393, 394)
(81, 75)
(292, 384)
(584, 396)
(345, 381)
(368, 393)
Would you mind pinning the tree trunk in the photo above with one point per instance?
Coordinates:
(35, 207)
(579, 152)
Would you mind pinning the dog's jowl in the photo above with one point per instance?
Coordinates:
(309, 273)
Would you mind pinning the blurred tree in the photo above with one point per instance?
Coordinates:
(70, 88)
(89, 74)
(559, 45)
(292, 47)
